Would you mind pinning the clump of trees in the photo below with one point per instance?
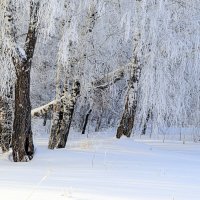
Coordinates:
(115, 63)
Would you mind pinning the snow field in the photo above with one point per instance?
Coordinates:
(99, 167)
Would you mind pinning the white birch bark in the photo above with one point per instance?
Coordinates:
(127, 121)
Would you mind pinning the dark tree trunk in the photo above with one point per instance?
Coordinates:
(68, 107)
(127, 121)
(45, 119)
(128, 118)
(98, 124)
(129, 115)
(22, 141)
(65, 127)
(86, 121)
(63, 117)
(146, 122)
(55, 128)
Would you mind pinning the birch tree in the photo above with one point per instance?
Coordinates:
(22, 141)
(19, 61)
(66, 63)
(129, 115)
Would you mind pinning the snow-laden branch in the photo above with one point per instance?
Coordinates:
(37, 112)
(40, 111)
(111, 78)
(101, 83)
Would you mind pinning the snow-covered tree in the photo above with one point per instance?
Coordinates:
(135, 62)
(18, 54)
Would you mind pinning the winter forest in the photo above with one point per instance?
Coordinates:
(114, 80)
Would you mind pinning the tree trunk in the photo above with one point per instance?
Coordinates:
(129, 115)
(63, 117)
(146, 121)
(55, 128)
(22, 141)
(86, 121)
(98, 124)
(128, 118)
(45, 119)
(68, 107)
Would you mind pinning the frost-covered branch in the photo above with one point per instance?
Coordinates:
(110, 78)
(101, 83)
(40, 111)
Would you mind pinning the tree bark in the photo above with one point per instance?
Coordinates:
(55, 128)
(63, 117)
(45, 119)
(129, 115)
(22, 141)
(86, 121)
(68, 107)
(146, 121)
(128, 118)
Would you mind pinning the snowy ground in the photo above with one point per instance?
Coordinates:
(100, 167)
